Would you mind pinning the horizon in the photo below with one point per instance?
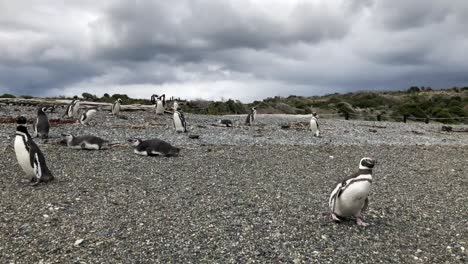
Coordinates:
(245, 49)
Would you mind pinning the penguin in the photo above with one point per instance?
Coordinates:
(314, 125)
(87, 116)
(153, 98)
(51, 109)
(154, 147)
(72, 108)
(41, 124)
(226, 122)
(116, 107)
(251, 116)
(160, 104)
(179, 121)
(175, 105)
(29, 156)
(350, 196)
(84, 142)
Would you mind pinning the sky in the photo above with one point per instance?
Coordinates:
(239, 49)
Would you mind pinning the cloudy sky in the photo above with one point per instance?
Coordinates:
(240, 49)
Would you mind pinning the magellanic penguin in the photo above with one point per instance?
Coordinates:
(350, 196)
(87, 116)
(29, 156)
(226, 122)
(154, 147)
(41, 124)
(251, 116)
(153, 98)
(160, 104)
(175, 105)
(84, 142)
(179, 121)
(116, 107)
(72, 109)
(314, 125)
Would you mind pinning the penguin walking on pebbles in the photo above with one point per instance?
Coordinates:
(87, 116)
(154, 147)
(116, 107)
(314, 125)
(179, 121)
(251, 116)
(29, 156)
(84, 142)
(350, 196)
(160, 104)
(41, 124)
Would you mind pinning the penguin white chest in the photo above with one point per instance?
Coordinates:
(179, 127)
(22, 155)
(159, 108)
(352, 198)
(116, 109)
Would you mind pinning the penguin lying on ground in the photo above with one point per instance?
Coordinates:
(226, 122)
(349, 198)
(29, 156)
(41, 124)
(84, 142)
(154, 147)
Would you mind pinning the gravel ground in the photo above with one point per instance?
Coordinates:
(242, 194)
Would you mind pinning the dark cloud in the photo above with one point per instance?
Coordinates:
(241, 49)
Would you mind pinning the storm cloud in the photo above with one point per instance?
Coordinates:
(239, 49)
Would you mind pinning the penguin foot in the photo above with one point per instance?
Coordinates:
(34, 181)
(359, 222)
(335, 218)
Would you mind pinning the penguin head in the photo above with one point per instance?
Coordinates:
(67, 136)
(41, 110)
(135, 141)
(366, 163)
(314, 113)
(75, 97)
(21, 120)
(119, 100)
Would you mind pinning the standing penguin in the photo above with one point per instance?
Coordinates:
(87, 116)
(72, 108)
(116, 107)
(41, 124)
(251, 116)
(175, 105)
(29, 156)
(154, 147)
(314, 125)
(349, 198)
(160, 104)
(179, 121)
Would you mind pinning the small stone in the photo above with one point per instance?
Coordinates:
(78, 242)
(46, 216)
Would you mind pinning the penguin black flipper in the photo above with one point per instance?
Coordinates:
(182, 119)
(39, 165)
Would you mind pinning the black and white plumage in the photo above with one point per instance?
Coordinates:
(72, 109)
(116, 107)
(160, 104)
(29, 156)
(226, 122)
(314, 125)
(87, 116)
(251, 116)
(179, 121)
(175, 105)
(41, 124)
(350, 196)
(84, 142)
(154, 147)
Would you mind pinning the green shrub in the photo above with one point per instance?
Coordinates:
(7, 96)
